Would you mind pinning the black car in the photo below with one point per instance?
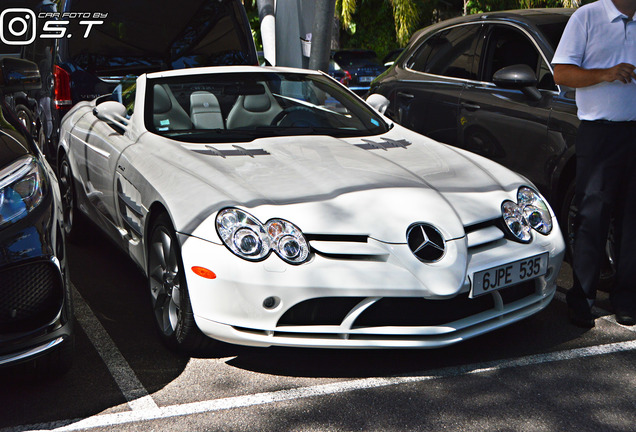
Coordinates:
(36, 319)
(128, 38)
(484, 83)
(360, 68)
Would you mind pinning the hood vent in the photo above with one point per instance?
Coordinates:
(237, 151)
(385, 144)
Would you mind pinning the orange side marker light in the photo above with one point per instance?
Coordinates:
(203, 272)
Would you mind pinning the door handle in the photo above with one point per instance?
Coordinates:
(470, 106)
(405, 95)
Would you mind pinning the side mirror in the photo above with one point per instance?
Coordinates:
(18, 75)
(378, 102)
(518, 77)
(113, 113)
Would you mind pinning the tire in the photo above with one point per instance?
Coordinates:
(25, 115)
(607, 277)
(43, 145)
(169, 295)
(72, 223)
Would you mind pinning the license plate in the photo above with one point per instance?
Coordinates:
(509, 274)
(366, 78)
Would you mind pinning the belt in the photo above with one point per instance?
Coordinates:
(612, 123)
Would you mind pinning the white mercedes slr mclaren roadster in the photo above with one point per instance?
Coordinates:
(271, 206)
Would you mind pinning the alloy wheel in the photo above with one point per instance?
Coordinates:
(165, 281)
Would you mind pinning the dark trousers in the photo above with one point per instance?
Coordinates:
(605, 186)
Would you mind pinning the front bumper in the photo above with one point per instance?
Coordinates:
(332, 302)
(35, 304)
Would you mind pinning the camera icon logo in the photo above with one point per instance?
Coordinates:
(17, 26)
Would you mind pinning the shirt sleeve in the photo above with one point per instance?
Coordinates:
(571, 49)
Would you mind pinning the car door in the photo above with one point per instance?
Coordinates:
(97, 146)
(427, 96)
(509, 126)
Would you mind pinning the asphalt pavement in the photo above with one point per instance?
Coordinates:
(541, 374)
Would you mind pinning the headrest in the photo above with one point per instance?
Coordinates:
(202, 101)
(162, 103)
(256, 103)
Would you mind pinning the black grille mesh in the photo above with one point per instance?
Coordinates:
(399, 311)
(30, 296)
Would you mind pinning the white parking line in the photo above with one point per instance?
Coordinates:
(130, 386)
(107, 420)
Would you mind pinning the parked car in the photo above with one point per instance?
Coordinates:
(484, 83)
(36, 317)
(360, 67)
(132, 39)
(25, 104)
(269, 206)
(390, 58)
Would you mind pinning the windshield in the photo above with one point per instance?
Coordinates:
(240, 107)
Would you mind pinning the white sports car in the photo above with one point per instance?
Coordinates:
(271, 206)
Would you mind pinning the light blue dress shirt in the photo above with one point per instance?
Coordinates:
(599, 36)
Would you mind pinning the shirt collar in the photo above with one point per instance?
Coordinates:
(613, 14)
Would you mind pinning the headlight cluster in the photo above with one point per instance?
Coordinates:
(529, 212)
(248, 238)
(20, 189)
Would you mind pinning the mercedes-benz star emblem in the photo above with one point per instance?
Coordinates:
(426, 242)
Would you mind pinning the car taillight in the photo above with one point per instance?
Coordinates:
(346, 79)
(62, 88)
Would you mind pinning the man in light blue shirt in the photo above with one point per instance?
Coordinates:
(597, 56)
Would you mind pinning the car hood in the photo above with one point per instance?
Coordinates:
(376, 186)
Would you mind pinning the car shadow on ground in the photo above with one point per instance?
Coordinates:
(115, 291)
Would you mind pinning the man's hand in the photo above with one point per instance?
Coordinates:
(576, 77)
(623, 72)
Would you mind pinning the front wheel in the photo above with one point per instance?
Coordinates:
(25, 115)
(71, 222)
(169, 291)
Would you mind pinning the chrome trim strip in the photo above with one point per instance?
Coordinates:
(31, 352)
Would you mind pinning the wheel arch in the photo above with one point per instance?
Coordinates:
(156, 209)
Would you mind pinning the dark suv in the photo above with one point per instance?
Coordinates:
(128, 37)
(36, 318)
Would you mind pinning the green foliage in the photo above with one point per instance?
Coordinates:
(252, 15)
(372, 28)
(478, 6)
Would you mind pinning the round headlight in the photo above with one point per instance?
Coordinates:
(515, 221)
(535, 210)
(243, 234)
(288, 241)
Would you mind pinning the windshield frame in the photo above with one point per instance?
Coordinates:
(375, 123)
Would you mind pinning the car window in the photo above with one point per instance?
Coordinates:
(449, 53)
(508, 46)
